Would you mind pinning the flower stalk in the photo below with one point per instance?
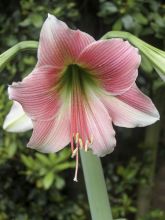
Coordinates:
(12, 52)
(96, 187)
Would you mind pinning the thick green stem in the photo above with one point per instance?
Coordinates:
(137, 42)
(96, 187)
(124, 35)
(12, 52)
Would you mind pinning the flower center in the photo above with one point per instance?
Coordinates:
(74, 86)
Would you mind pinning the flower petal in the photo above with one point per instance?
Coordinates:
(17, 120)
(100, 127)
(131, 109)
(59, 44)
(36, 94)
(115, 63)
(52, 135)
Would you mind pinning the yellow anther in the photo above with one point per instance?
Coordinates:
(91, 140)
(80, 143)
(74, 152)
(77, 138)
(86, 145)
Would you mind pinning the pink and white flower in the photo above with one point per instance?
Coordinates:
(78, 88)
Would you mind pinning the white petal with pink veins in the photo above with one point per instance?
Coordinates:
(114, 62)
(131, 109)
(52, 135)
(36, 94)
(58, 44)
(100, 127)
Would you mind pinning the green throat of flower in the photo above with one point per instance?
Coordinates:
(76, 86)
(78, 80)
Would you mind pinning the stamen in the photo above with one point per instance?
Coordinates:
(76, 169)
(86, 145)
(74, 152)
(80, 143)
(77, 138)
(91, 140)
(72, 144)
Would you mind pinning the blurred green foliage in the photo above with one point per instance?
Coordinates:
(154, 215)
(121, 186)
(36, 186)
(47, 175)
(141, 18)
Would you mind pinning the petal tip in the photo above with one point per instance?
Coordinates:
(103, 154)
(50, 16)
(5, 125)
(9, 92)
(157, 117)
(29, 145)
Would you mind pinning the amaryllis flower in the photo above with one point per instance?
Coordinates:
(78, 88)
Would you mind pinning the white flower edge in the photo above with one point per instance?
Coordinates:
(17, 120)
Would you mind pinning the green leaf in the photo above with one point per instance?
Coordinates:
(60, 183)
(25, 22)
(120, 219)
(48, 180)
(132, 209)
(63, 156)
(36, 20)
(140, 18)
(43, 159)
(128, 22)
(107, 8)
(117, 25)
(28, 161)
(146, 64)
(65, 166)
(11, 149)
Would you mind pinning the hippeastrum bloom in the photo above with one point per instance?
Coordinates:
(78, 87)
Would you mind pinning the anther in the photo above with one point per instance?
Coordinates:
(80, 143)
(74, 152)
(77, 138)
(91, 140)
(86, 145)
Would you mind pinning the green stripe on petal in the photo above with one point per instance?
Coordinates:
(76, 76)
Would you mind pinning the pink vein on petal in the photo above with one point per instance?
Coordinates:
(114, 62)
(36, 94)
(59, 45)
(131, 109)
